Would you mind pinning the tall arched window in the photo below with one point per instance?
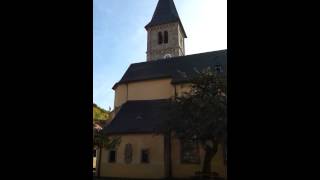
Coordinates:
(160, 38)
(128, 153)
(190, 152)
(165, 36)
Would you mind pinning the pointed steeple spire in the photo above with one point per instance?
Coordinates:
(165, 12)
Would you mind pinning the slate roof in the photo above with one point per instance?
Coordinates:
(165, 12)
(144, 116)
(175, 67)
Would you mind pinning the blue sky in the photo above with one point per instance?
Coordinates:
(119, 37)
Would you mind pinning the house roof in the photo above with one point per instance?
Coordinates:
(144, 116)
(165, 12)
(180, 68)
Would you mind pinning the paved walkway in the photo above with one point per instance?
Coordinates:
(95, 178)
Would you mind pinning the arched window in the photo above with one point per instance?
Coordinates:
(160, 38)
(190, 152)
(112, 156)
(128, 153)
(165, 36)
(145, 153)
(167, 56)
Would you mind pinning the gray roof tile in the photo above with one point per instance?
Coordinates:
(174, 67)
(139, 117)
(165, 12)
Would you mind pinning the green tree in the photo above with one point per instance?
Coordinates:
(100, 114)
(201, 114)
(102, 141)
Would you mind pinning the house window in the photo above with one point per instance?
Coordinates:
(165, 37)
(190, 152)
(112, 156)
(145, 156)
(160, 38)
(218, 68)
(94, 153)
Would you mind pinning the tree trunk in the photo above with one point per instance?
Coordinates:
(207, 161)
(225, 158)
(99, 162)
(210, 152)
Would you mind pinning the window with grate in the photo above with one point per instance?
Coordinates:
(145, 156)
(112, 156)
(190, 152)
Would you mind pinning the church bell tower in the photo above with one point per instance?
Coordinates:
(165, 32)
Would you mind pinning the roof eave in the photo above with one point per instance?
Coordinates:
(115, 86)
(139, 80)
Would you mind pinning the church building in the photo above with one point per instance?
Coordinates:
(142, 99)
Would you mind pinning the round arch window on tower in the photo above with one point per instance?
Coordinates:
(166, 37)
(167, 56)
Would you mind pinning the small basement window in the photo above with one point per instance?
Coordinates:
(145, 156)
(112, 156)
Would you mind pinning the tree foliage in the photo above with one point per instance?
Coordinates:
(100, 113)
(101, 140)
(201, 114)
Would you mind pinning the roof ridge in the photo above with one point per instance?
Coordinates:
(167, 68)
(179, 57)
